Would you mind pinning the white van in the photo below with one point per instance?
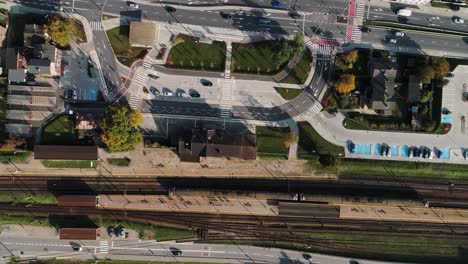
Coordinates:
(404, 12)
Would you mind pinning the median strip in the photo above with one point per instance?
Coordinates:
(387, 24)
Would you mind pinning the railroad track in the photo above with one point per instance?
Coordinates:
(240, 222)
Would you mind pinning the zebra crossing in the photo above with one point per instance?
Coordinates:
(96, 26)
(147, 65)
(357, 34)
(360, 9)
(226, 94)
(133, 101)
(313, 111)
(324, 49)
(104, 246)
(140, 79)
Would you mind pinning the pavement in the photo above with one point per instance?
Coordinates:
(143, 250)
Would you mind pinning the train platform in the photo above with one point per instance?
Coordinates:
(404, 213)
(175, 203)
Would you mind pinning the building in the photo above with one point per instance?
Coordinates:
(17, 75)
(54, 152)
(142, 34)
(79, 233)
(33, 35)
(383, 99)
(39, 66)
(216, 143)
(414, 89)
(78, 200)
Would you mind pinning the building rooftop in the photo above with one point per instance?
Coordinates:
(142, 33)
(54, 152)
(413, 89)
(383, 85)
(45, 51)
(39, 66)
(17, 75)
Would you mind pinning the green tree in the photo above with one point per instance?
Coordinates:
(289, 138)
(135, 118)
(119, 130)
(441, 68)
(426, 74)
(59, 30)
(345, 61)
(426, 97)
(345, 83)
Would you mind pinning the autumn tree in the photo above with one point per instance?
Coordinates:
(345, 61)
(59, 30)
(426, 74)
(441, 67)
(289, 138)
(345, 83)
(120, 132)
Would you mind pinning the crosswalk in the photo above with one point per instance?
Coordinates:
(140, 79)
(360, 9)
(357, 34)
(133, 101)
(96, 26)
(103, 246)
(147, 65)
(314, 110)
(324, 49)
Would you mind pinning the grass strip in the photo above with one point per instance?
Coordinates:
(15, 156)
(388, 24)
(121, 162)
(288, 93)
(38, 198)
(300, 72)
(81, 164)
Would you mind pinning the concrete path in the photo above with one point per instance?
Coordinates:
(292, 155)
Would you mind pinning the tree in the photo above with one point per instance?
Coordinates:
(345, 61)
(135, 118)
(345, 83)
(426, 97)
(426, 74)
(441, 68)
(331, 162)
(119, 128)
(289, 138)
(59, 30)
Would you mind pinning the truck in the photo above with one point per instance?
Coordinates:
(404, 12)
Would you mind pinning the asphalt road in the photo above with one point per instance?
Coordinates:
(154, 251)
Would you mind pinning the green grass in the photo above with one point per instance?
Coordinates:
(118, 38)
(15, 157)
(256, 58)
(81, 164)
(148, 231)
(198, 56)
(440, 5)
(312, 143)
(401, 169)
(123, 162)
(396, 25)
(61, 131)
(270, 141)
(288, 93)
(39, 198)
(354, 125)
(300, 72)
(79, 32)
(23, 220)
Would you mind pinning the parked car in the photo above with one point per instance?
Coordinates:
(276, 4)
(168, 93)
(75, 94)
(294, 15)
(170, 9)
(450, 75)
(133, 5)
(458, 20)
(154, 91)
(205, 82)
(399, 34)
(152, 76)
(194, 94)
(182, 94)
(392, 40)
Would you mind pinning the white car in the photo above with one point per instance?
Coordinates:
(58, 8)
(399, 34)
(167, 93)
(133, 5)
(75, 94)
(458, 20)
(394, 41)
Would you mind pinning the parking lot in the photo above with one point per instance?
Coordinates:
(76, 82)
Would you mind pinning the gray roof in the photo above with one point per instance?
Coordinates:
(11, 58)
(384, 71)
(413, 89)
(45, 51)
(18, 75)
(39, 66)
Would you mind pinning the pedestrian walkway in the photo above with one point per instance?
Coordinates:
(147, 65)
(104, 246)
(134, 102)
(225, 104)
(140, 78)
(96, 26)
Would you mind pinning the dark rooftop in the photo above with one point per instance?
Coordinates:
(54, 152)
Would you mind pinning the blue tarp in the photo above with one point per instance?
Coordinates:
(447, 119)
(93, 95)
(405, 151)
(394, 151)
(445, 153)
(377, 149)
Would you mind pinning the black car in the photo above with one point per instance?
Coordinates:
(170, 9)
(316, 30)
(205, 82)
(294, 15)
(194, 94)
(69, 94)
(225, 15)
(152, 76)
(365, 29)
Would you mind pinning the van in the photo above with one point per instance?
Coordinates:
(404, 12)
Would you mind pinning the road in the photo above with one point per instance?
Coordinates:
(154, 251)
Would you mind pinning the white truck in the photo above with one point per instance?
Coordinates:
(404, 12)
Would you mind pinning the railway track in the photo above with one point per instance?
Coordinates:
(240, 222)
